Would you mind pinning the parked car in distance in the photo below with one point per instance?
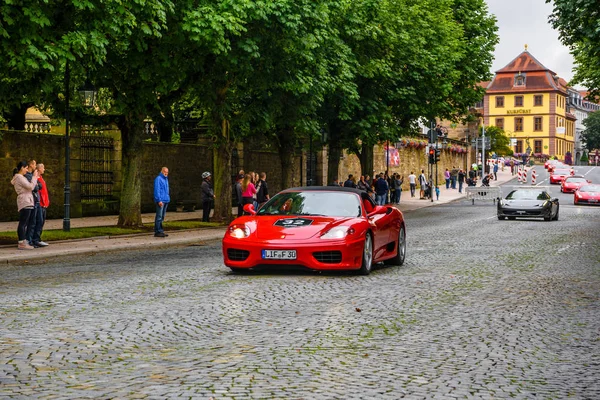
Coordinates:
(571, 183)
(587, 194)
(528, 202)
(318, 228)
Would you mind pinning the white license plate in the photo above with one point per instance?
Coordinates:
(593, 200)
(279, 254)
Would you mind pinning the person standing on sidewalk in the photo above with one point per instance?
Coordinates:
(398, 180)
(262, 190)
(453, 177)
(447, 178)
(161, 199)
(40, 218)
(31, 225)
(207, 195)
(25, 202)
(423, 184)
(461, 180)
(412, 181)
(238, 195)
(381, 190)
(496, 171)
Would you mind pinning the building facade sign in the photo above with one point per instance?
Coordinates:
(518, 111)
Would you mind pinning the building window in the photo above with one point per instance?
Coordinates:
(519, 146)
(500, 101)
(519, 124)
(538, 100)
(537, 123)
(479, 104)
(518, 101)
(537, 146)
(500, 123)
(519, 79)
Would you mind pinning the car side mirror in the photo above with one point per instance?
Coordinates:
(249, 208)
(378, 210)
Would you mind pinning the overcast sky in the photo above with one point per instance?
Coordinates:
(523, 22)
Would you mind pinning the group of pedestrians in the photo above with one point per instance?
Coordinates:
(251, 188)
(32, 202)
(385, 188)
(162, 198)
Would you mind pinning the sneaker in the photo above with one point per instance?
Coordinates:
(25, 246)
(42, 244)
(159, 234)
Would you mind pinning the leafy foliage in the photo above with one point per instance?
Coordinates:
(578, 23)
(591, 134)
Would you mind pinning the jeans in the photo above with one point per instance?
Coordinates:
(380, 199)
(206, 206)
(24, 216)
(40, 220)
(31, 224)
(397, 194)
(447, 183)
(160, 217)
(413, 187)
(460, 185)
(453, 182)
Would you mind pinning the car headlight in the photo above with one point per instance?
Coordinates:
(546, 204)
(239, 231)
(339, 232)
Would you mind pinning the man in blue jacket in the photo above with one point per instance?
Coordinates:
(161, 199)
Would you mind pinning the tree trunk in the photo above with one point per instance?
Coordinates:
(366, 160)
(286, 157)
(333, 163)
(222, 183)
(132, 130)
(15, 117)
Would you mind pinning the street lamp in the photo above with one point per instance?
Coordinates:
(87, 94)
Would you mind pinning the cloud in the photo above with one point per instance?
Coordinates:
(523, 22)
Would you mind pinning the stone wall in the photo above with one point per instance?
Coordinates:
(44, 148)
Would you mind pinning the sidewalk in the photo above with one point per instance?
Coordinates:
(11, 254)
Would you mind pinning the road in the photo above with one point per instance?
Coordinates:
(481, 309)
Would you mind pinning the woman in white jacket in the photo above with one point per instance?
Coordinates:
(24, 200)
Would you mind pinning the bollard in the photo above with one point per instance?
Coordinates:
(533, 177)
(524, 175)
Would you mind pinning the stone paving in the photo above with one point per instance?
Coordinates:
(481, 309)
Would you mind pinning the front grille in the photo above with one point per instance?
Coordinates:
(328, 257)
(237, 254)
(522, 214)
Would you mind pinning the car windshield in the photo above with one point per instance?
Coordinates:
(316, 203)
(561, 172)
(575, 180)
(525, 194)
(590, 188)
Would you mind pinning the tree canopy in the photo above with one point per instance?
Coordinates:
(578, 23)
(591, 134)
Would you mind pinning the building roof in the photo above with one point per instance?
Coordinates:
(524, 62)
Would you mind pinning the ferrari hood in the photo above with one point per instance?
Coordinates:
(294, 227)
(524, 203)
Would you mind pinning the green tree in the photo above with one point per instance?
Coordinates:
(591, 134)
(500, 142)
(577, 23)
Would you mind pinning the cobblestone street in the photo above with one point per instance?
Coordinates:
(481, 309)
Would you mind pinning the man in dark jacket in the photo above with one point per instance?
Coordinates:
(350, 183)
(207, 195)
(381, 190)
(262, 189)
(162, 200)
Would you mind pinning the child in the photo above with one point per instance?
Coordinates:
(437, 192)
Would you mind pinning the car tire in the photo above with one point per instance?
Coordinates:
(500, 217)
(400, 249)
(367, 256)
(556, 216)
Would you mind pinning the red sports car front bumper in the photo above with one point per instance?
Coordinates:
(323, 255)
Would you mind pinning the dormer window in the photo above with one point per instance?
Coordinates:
(520, 79)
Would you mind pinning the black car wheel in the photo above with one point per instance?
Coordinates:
(367, 259)
(500, 217)
(401, 249)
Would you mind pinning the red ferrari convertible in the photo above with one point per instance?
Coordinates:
(571, 183)
(319, 228)
(587, 194)
(557, 175)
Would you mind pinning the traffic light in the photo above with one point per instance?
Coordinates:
(431, 156)
(437, 155)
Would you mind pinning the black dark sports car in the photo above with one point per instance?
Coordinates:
(528, 202)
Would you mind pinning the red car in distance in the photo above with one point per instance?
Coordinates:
(318, 228)
(587, 194)
(571, 183)
(558, 174)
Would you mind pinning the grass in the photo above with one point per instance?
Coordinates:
(82, 233)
